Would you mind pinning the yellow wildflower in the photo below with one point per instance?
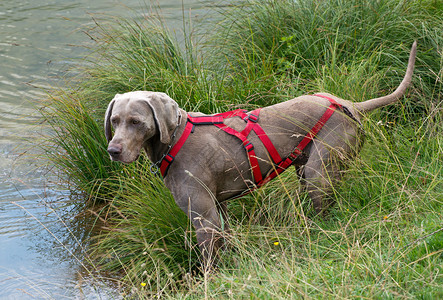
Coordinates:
(143, 284)
(276, 243)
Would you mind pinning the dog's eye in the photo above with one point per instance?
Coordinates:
(135, 122)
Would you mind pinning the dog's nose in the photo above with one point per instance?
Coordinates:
(115, 150)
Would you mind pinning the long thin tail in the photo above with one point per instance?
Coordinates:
(391, 98)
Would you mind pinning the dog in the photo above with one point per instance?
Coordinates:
(207, 159)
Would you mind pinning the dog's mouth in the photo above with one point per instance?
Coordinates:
(125, 160)
(131, 160)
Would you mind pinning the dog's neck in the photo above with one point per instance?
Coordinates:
(156, 150)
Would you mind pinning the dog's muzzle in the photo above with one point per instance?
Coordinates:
(115, 151)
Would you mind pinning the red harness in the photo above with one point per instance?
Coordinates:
(251, 120)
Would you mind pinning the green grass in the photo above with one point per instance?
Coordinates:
(77, 144)
(383, 238)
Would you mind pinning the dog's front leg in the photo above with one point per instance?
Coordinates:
(209, 236)
(200, 206)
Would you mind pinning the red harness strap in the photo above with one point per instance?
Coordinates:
(284, 164)
(189, 128)
(252, 125)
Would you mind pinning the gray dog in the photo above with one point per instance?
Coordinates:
(206, 160)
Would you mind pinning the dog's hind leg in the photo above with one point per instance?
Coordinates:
(320, 174)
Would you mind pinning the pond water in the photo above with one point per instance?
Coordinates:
(38, 248)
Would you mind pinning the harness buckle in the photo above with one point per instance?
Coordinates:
(295, 154)
(169, 158)
(253, 118)
(249, 147)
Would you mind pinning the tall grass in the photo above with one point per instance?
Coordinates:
(77, 144)
(384, 237)
(305, 40)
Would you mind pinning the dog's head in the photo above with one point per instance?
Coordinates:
(136, 118)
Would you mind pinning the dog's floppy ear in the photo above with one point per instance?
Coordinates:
(108, 128)
(165, 114)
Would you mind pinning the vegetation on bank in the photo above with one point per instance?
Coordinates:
(383, 239)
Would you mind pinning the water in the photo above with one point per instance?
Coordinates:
(38, 250)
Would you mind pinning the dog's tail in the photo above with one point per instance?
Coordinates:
(391, 98)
